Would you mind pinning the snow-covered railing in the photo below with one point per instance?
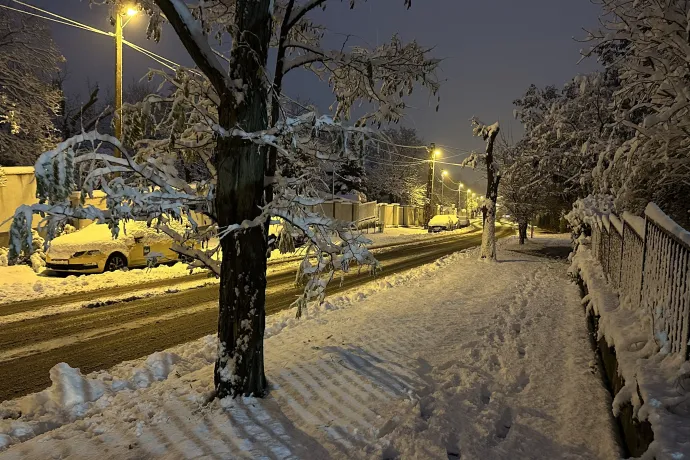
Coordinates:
(648, 262)
(615, 248)
(665, 293)
(632, 260)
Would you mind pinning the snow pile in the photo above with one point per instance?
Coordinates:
(73, 396)
(434, 363)
(655, 381)
(394, 235)
(20, 282)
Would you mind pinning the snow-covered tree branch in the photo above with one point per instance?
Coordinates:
(29, 101)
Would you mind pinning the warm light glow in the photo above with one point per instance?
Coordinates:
(131, 12)
(460, 185)
(437, 152)
(469, 191)
(444, 173)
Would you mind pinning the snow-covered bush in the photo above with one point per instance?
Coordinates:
(581, 217)
(652, 164)
(4, 252)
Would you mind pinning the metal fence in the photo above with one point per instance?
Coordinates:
(648, 261)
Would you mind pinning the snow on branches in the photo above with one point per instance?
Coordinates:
(653, 101)
(148, 187)
(28, 99)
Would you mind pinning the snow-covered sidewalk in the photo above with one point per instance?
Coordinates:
(458, 359)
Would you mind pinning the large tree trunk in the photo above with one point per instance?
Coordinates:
(239, 367)
(522, 231)
(240, 167)
(493, 178)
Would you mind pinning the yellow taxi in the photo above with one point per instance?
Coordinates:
(94, 250)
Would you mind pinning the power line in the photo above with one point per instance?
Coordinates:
(72, 21)
(165, 62)
(172, 65)
(50, 19)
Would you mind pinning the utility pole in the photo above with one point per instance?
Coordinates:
(120, 11)
(430, 184)
(442, 187)
(118, 77)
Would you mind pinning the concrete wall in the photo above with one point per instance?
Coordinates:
(17, 188)
(98, 201)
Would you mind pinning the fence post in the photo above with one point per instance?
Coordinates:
(620, 264)
(644, 260)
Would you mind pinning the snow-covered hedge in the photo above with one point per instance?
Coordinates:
(37, 258)
(582, 217)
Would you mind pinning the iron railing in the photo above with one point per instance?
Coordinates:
(649, 265)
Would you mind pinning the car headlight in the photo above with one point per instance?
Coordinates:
(92, 252)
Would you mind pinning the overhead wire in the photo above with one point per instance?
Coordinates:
(165, 62)
(63, 18)
(172, 65)
(51, 19)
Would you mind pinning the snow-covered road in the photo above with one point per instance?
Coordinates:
(457, 359)
(31, 342)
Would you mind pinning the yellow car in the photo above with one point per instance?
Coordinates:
(94, 250)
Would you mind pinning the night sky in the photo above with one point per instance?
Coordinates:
(493, 50)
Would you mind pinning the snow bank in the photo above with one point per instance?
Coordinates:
(20, 282)
(653, 378)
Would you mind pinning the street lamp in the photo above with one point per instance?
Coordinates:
(130, 12)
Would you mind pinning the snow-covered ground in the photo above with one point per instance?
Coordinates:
(456, 359)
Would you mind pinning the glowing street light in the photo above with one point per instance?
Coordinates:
(131, 12)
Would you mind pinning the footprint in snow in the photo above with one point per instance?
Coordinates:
(504, 423)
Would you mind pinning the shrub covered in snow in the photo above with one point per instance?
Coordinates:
(581, 217)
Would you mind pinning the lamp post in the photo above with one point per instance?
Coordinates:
(433, 153)
(119, 14)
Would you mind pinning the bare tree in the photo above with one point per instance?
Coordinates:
(29, 101)
(493, 178)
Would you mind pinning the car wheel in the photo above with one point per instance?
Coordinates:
(115, 262)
